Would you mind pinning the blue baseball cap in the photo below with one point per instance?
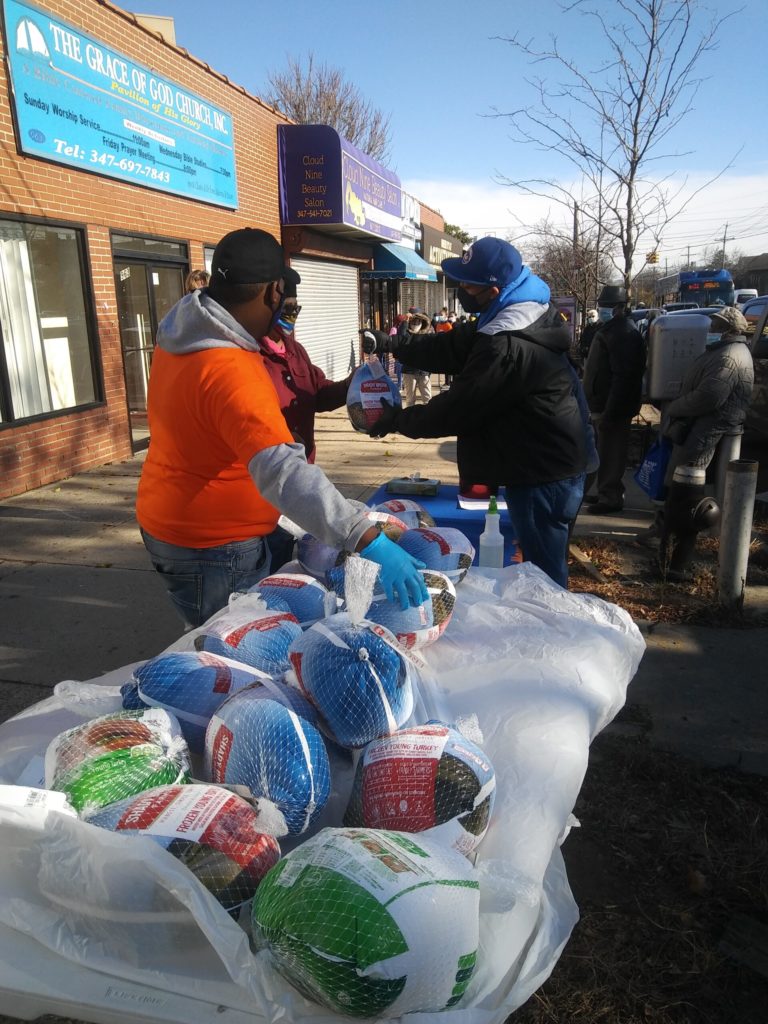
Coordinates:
(490, 261)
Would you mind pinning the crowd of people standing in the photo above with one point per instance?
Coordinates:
(233, 397)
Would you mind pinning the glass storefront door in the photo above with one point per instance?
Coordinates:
(146, 291)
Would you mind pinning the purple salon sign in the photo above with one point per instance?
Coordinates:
(326, 180)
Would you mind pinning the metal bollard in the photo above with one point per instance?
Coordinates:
(736, 531)
(728, 451)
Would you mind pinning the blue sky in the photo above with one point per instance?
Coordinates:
(437, 69)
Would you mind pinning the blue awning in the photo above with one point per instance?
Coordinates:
(391, 260)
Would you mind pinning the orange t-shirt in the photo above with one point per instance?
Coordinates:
(209, 413)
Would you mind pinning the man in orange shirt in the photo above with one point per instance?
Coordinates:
(222, 464)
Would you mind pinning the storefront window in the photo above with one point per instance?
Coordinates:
(47, 357)
(149, 248)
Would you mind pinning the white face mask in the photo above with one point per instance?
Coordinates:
(713, 339)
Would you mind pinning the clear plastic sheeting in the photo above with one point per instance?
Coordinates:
(541, 670)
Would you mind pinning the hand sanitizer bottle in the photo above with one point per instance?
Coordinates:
(491, 554)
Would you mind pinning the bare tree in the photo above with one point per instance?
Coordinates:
(313, 93)
(613, 123)
(571, 265)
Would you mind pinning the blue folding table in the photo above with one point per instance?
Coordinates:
(444, 509)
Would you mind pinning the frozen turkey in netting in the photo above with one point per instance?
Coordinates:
(304, 596)
(223, 840)
(416, 626)
(357, 676)
(440, 547)
(116, 756)
(372, 923)
(191, 684)
(264, 738)
(409, 512)
(425, 777)
(369, 385)
(259, 641)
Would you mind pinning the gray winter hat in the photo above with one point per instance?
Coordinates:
(731, 320)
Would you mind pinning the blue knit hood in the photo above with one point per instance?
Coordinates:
(526, 287)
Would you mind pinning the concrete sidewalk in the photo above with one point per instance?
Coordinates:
(79, 598)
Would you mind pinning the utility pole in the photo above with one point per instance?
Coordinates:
(688, 261)
(576, 259)
(725, 232)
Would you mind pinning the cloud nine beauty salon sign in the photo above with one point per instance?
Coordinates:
(80, 103)
(325, 180)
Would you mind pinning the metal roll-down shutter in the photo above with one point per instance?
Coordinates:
(329, 321)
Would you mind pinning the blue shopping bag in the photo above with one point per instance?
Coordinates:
(652, 470)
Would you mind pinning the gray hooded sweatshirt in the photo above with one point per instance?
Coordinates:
(300, 491)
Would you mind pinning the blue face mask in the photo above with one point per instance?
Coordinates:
(605, 314)
(713, 339)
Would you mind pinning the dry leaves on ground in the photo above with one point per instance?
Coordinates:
(669, 854)
(633, 581)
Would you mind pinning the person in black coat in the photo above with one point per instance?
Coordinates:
(613, 381)
(511, 403)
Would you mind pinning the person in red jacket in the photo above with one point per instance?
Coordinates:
(302, 390)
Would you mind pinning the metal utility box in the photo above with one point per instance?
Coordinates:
(674, 341)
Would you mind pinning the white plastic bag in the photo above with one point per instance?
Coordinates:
(544, 670)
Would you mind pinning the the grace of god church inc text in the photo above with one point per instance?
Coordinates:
(134, 82)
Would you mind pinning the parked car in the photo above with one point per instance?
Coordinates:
(706, 310)
(674, 307)
(754, 309)
(641, 313)
(742, 296)
(757, 317)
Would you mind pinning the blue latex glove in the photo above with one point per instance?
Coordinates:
(399, 571)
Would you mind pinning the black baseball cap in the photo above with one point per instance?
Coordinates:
(248, 256)
(291, 278)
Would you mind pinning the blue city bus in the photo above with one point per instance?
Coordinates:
(704, 287)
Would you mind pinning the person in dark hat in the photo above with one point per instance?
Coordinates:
(613, 383)
(511, 403)
(222, 462)
(302, 390)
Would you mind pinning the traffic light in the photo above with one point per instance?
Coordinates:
(652, 257)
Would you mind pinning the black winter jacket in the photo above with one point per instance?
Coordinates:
(510, 405)
(613, 375)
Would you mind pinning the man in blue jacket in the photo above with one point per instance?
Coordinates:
(511, 403)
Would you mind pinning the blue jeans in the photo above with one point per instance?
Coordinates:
(200, 580)
(541, 517)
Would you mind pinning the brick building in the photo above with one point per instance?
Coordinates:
(123, 160)
(89, 261)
